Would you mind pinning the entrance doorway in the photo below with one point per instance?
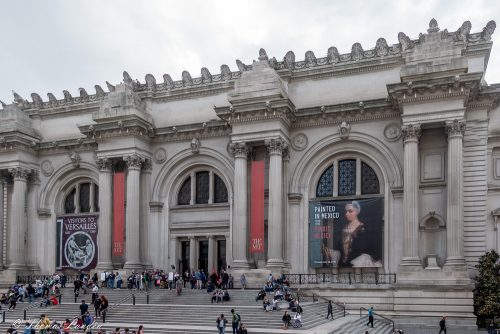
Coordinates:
(221, 255)
(184, 262)
(203, 255)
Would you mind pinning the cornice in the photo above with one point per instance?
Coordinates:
(125, 126)
(180, 133)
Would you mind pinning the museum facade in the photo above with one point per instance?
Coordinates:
(384, 160)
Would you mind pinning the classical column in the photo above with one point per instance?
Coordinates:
(105, 223)
(192, 254)
(276, 147)
(145, 225)
(17, 226)
(211, 254)
(454, 202)
(411, 134)
(132, 230)
(3, 209)
(32, 217)
(240, 205)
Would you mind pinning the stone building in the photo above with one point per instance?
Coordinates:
(268, 169)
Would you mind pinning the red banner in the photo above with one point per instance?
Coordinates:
(118, 213)
(257, 207)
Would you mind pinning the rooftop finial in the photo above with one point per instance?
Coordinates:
(263, 54)
(37, 100)
(111, 88)
(488, 30)
(433, 26)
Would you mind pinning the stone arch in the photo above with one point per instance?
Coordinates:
(168, 179)
(432, 239)
(57, 186)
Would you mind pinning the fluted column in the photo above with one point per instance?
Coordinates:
(3, 210)
(145, 199)
(211, 254)
(454, 202)
(17, 226)
(132, 232)
(192, 254)
(240, 205)
(104, 236)
(32, 226)
(276, 147)
(411, 135)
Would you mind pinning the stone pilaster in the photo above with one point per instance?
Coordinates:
(240, 206)
(192, 254)
(454, 202)
(3, 210)
(104, 262)
(411, 135)
(132, 233)
(145, 224)
(17, 227)
(211, 254)
(276, 147)
(32, 215)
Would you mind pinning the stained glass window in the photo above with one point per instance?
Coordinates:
(220, 190)
(185, 193)
(202, 187)
(69, 203)
(347, 177)
(325, 184)
(85, 197)
(369, 180)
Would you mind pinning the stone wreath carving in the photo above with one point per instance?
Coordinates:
(47, 168)
(160, 155)
(392, 132)
(299, 142)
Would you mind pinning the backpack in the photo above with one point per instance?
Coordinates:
(239, 318)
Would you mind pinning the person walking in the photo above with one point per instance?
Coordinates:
(370, 317)
(442, 325)
(330, 309)
(83, 308)
(235, 320)
(243, 281)
(221, 324)
(13, 301)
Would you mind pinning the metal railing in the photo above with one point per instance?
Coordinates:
(383, 319)
(339, 305)
(342, 278)
(36, 304)
(115, 305)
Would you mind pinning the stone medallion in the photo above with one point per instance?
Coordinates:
(392, 132)
(160, 155)
(47, 168)
(299, 142)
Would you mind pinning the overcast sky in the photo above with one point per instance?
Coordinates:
(49, 46)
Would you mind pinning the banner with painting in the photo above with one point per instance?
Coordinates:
(346, 233)
(77, 242)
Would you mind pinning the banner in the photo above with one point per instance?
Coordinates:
(78, 242)
(346, 233)
(257, 207)
(118, 213)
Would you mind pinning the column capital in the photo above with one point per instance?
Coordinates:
(411, 132)
(104, 164)
(20, 173)
(455, 128)
(133, 161)
(147, 166)
(239, 150)
(34, 178)
(276, 146)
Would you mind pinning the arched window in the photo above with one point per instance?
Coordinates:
(83, 197)
(352, 177)
(208, 188)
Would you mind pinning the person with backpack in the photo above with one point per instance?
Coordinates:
(235, 320)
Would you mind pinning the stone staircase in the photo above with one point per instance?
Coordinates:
(191, 312)
(357, 325)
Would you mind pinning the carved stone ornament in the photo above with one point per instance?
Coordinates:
(83, 93)
(67, 96)
(195, 146)
(111, 88)
(310, 59)
(150, 82)
(47, 168)
(168, 82)
(462, 34)
(433, 26)
(411, 132)
(20, 173)
(381, 47)
(239, 150)
(160, 155)
(488, 30)
(104, 164)
(99, 91)
(333, 55)
(75, 159)
(225, 72)
(17, 98)
(206, 76)
(187, 81)
(344, 130)
(263, 54)
(52, 98)
(289, 60)
(241, 67)
(357, 52)
(37, 100)
(299, 142)
(392, 132)
(276, 146)
(405, 41)
(133, 161)
(455, 128)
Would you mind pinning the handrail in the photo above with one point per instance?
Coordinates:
(119, 303)
(379, 315)
(342, 307)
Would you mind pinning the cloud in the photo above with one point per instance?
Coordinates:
(48, 46)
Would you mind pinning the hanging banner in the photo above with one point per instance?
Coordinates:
(118, 213)
(257, 171)
(346, 233)
(78, 242)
